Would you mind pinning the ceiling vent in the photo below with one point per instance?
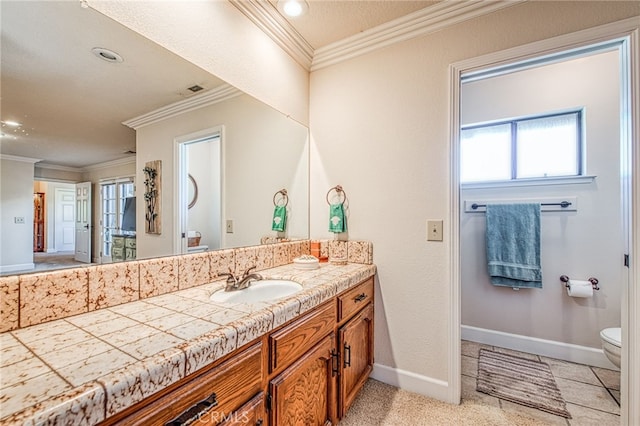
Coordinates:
(195, 88)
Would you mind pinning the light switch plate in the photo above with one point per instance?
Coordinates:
(434, 230)
(229, 226)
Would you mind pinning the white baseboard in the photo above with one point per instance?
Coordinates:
(423, 385)
(17, 267)
(52, 250)
(549, 348)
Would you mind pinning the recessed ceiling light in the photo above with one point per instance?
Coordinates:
(106, 54)
(293, 8)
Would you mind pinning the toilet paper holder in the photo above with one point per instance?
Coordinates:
(593, 281)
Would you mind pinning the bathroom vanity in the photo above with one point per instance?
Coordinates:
(176, 354)
(307, 371)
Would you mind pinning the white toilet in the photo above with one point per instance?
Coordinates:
(611, 343)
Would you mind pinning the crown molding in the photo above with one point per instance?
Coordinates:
(210, 97)
(430, 19)
(419, 23)
(18, 158)
(266, 17)
(113, 163)
(59, 167)
(106, 164)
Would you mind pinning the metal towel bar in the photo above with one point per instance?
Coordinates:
(563, 204)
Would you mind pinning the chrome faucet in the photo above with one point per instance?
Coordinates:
(234, 283)
(247, 278)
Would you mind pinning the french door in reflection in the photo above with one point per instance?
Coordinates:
(112, 196)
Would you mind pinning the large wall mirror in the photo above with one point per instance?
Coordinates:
(85, 99)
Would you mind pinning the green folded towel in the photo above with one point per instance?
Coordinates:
(279, 218)
(337, 222)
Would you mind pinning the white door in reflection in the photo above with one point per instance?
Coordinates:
(200, 191)
(83, 222)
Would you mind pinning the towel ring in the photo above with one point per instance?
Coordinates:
(339, 190)
(284, 198)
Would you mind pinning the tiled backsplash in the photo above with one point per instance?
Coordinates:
(40, 297)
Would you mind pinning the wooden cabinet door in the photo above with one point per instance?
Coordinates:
(356, 350)
(304, 394)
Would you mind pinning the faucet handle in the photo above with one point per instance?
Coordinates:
(246, 273)
(231, 279)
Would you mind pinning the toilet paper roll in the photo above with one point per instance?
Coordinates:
(579, 288)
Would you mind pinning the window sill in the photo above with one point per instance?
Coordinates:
(564, 180)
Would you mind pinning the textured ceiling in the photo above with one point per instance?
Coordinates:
(329, 21)
(70, 102)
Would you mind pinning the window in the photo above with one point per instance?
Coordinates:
(534, 147)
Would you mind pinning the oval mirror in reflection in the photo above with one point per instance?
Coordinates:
(192, 194)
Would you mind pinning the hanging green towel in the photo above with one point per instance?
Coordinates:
(279, 218)
(337, 222)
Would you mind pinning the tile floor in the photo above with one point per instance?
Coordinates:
(592, 394)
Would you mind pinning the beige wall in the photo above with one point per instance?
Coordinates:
(219, 38)
(16, 200)
(379, 127)
(62, 174)
(263, 152)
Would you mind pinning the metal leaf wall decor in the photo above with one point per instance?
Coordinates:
(152, 196)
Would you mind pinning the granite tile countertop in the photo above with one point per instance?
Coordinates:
(85, 368)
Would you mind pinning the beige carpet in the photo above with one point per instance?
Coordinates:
(520, 380)
(385, 405)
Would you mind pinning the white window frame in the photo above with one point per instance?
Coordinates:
(579, 177)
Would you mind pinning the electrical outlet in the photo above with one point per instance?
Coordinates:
(18, 219)
(229, 226)
(434, 230)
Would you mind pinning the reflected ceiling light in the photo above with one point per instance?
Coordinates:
(11, 123)
(106, 54)
(293, 8)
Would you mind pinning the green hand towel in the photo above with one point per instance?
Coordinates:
(337, 222)
(279, 218)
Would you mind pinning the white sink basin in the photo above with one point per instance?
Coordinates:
(258, 291)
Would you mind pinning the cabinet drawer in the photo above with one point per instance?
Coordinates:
(117, 253)
(211, 396)
(130, 253)
(355, 299)
(118, 242)
(289, 343)
(250, 414)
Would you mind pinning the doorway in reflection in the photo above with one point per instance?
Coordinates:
(200, 199)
